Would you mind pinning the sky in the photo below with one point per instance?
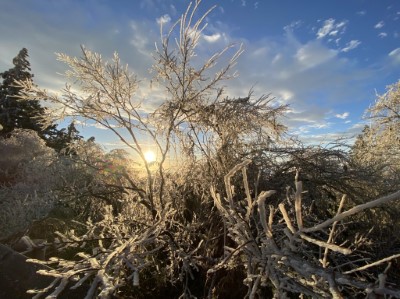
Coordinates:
(326, 59)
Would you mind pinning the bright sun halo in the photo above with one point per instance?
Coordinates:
(150, 156)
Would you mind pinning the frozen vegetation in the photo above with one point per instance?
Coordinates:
(247, 211)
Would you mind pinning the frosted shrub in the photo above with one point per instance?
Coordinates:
(287, 249)
(23, 150)
(26, 167)
(20, 206)
(379, 144)
(115, 251)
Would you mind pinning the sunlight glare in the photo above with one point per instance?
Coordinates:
(150, 156)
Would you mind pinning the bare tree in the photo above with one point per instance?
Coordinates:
(208, 124)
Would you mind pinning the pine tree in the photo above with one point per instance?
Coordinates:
(28, 113)
(63, 140)
(14, 112)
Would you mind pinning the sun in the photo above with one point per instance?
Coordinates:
(150, 156)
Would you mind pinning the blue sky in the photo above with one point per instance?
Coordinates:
(326, 59)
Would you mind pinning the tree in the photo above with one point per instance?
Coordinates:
(14, 111)
(27, 113)
(378, 146)
(210, 127)
(63, 140)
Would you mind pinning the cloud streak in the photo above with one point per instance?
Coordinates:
(163, 19)
(351, 45)
(379, 25)
(331, 28)
(344, 115)
(395, 55)
(212, 38)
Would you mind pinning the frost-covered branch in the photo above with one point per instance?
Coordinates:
(279, 254)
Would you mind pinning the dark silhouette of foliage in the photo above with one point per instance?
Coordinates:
(62, 140)
(17, 112)
(14, 111)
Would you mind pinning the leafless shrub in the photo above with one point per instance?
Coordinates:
(278, 247)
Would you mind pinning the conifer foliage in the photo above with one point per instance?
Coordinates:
(14, 112)
(19, 112)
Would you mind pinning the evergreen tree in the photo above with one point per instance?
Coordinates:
(64, 139)
(28, 113)
(15, 112)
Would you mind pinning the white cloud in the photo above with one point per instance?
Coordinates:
(334, 32)
(212, 38)
(351, 45)
(356, 128)
(395, 55)
(140, 40)
(277, 57)
(313, 54)
(341, 24)
(361, 13)
(303, 122)
(328, 26)
(91, 124)
(344, 115)
(302, 74)
(243, 2)
(163, 19)
(331, 28)
(382, 34)
(302, 130)
(349, 134)
(286, 95)
(256, 5)
(379, 25)
(293, 25)
(395, 52)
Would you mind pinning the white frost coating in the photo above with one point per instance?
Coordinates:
(136, 278)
